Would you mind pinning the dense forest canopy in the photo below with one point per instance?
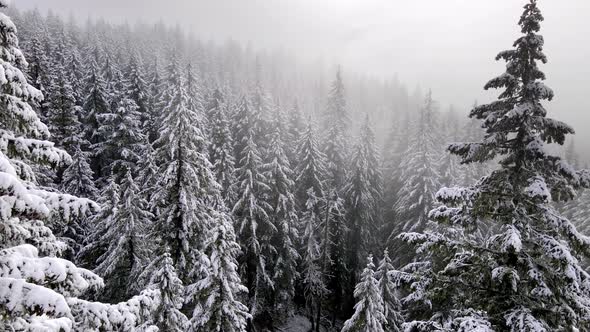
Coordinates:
(151, 181)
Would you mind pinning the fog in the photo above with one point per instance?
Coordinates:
(448, 46)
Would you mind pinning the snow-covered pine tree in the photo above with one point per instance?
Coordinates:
(75, 72)
(363, 198)
(136, 87)
(35, 292)
(168, 316)
(393, 151)
(219, 308)
(183, 194)
(95, 105)
(311, 167)
(336, 126)
(78, 177)
(221, 146)
(154, 88)
(283, 215)
(294, 128)
(527, 275)
(94, 247)
(63, 112)
(123, 139)
(124, 234)
(254, 227)
(310, 174)
(420, 179)
(368, 312)
(387, 288)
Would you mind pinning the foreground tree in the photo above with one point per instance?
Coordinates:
(526, 276)
(387, 285)
(37, 289)
(368, 312)
(168, 316)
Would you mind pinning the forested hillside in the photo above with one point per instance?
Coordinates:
(151, 180)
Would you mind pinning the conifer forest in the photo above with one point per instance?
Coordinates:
(151, 180)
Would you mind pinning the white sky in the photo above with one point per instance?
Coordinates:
(447, 45)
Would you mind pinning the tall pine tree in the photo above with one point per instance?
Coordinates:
(526, 276)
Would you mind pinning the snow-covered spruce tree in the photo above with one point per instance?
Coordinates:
(186, 185)
(368, 312)
(221, 146)
(336, 126)
(63, 112)
(124, 236)
(76, 180)
(168, 316)
(363, 199)
(136, 87)
(123, 141)
(420, 179)
(311, 167)
(310, 173)
(75, 72)
(219, 308)
(527, 276)
(95, 105)
(94, 247)
(393, 151)
(294, 128)
(34, 291)
(387, 288)
(283, 215)
(254, 228)
(78, 177)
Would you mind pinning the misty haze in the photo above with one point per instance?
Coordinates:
(294, 166)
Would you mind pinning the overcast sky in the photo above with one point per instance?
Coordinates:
(448, 45)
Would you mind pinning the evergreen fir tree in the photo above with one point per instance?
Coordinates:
(123, 139)
(363, 194)
(254, 227)
(136, 88)
(336, 126)
(283, 215)
(387, 286)
(526, 276)
(186, 184)
(221, 148)
(394, 151)
(168, 315)
(35, 292)
(126, 255)
(368, 312)
(295, 127)
(420, 179)
(219, 308)
(310, 173)
(95, 105)
(94, 246)
(78, 177)
(63, 112)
